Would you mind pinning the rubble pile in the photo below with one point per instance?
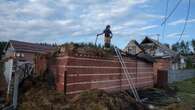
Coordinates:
(82, 48)
(100, 100)
(39, 97)
(42, 97)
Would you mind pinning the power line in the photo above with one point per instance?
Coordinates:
(186, 20)
(166, 10)
(171, 12)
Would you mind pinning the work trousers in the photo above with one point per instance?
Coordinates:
(107, 41)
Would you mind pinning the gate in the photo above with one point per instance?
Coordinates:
(162, 78)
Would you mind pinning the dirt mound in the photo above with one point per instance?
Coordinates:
(87, 49)
(100, 100)
(40, 97)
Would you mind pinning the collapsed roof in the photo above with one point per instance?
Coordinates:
(163, 48)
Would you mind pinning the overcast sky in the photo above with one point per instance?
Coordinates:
(59, 21)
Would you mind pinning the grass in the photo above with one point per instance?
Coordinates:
(186, 90)
(187, 86)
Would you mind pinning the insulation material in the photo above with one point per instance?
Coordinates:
(8, 69)
(8, 72)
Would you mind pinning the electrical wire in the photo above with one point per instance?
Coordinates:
(186, 20)
(178, 3)
(166, 11)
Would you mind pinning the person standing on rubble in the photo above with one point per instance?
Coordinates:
(107, 36)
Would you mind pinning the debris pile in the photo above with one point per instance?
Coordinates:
(41, 97)
(158, 97)
(163, 99)
(82, 48)
(100, 100)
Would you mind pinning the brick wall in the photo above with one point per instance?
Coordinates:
(77, 73)
(40, 62)
(161, 64)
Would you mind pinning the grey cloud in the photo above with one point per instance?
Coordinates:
(44, 20)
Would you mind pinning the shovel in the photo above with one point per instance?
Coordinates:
(96, 40)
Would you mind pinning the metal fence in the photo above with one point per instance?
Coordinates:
(179, 75)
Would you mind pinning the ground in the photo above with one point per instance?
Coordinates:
(186, 91)
(39, 96)
(179, 96)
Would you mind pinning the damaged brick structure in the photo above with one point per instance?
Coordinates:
(159, 65)
(76, 72)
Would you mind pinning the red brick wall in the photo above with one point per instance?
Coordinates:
(80, 73)
(161, 64)
(40, 64)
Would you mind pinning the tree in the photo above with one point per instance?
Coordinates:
(185, 48)
(2, 46)
(175, 47)
(189, 64)
(167, 45)
(182, 47)
(193, 45)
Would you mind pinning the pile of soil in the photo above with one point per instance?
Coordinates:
(41, 97)
(100, 100)
(82, 48)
